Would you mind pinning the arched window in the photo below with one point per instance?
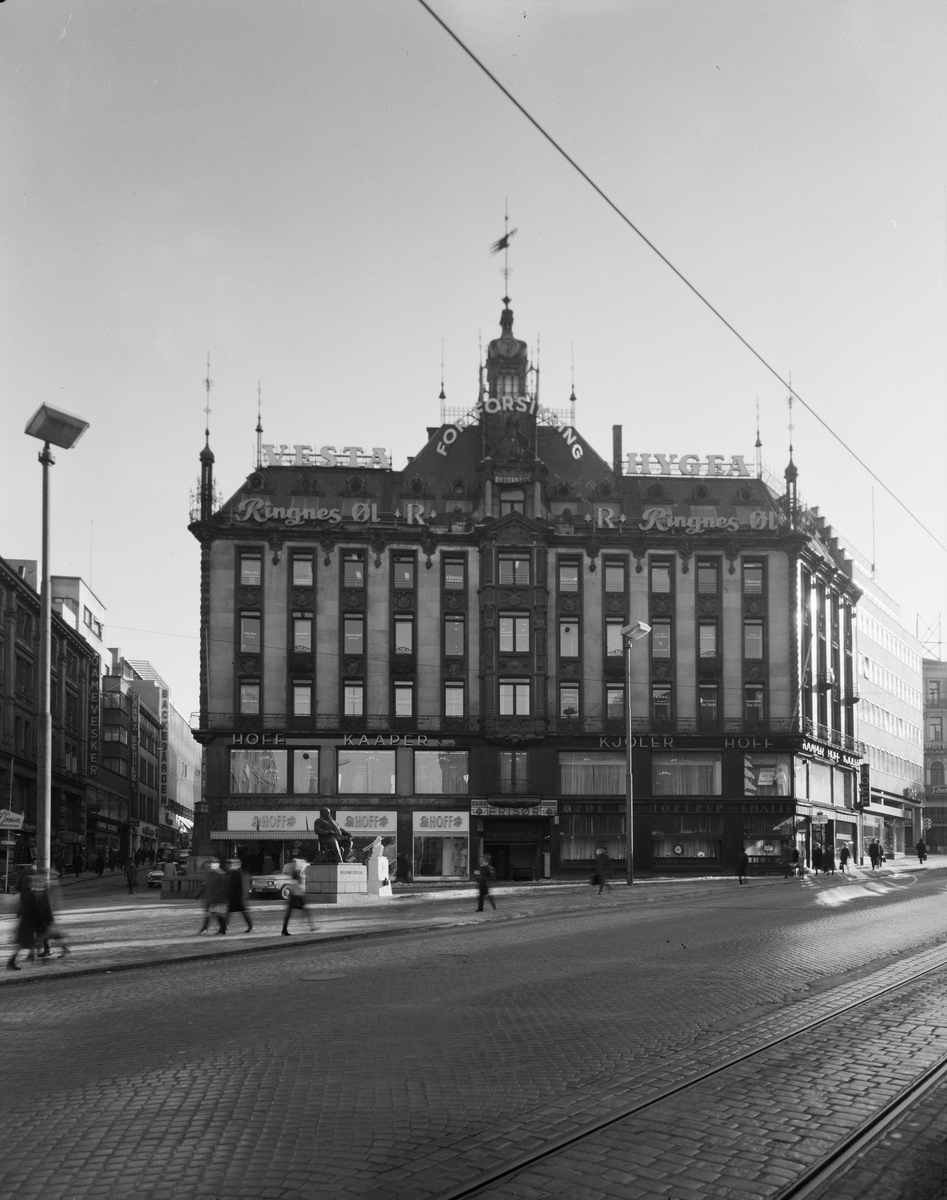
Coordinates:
(937, 774)
(512, 500)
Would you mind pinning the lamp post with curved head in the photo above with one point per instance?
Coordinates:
(630, 634)
(51, 426)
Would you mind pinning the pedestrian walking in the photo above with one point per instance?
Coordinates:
(921, 850)
(485, 876)
(131, 876)
(296, 901)
(112, 860)
(214, 895)
(874, 853)
(743, 866)
(603, 870)
(99, 864)
(236, 890)
(47, 886)
(817, 859)
(828, 861)
(403, 870)
(843, 857)
(77, 863)
(29, 920)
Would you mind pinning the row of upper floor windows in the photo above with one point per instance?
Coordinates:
(881, 718)
(514, 569)
(514, 634)
(887, 639)
(881, 677)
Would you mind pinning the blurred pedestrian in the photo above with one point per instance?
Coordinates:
(828, 861)
(485, 876)
(603, 870)
(29, 920)
(214, 895)
(131, 876)
(47, 885)
(921, 850)
(403, 870)
(112, 860)
(296, 900)
(99, 864)
(77, 863)
(874, 853)
(817, 859)
(743, 866)
(843, 857)
(236, 890)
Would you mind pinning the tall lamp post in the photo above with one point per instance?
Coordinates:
(51, 426)
(630, 634)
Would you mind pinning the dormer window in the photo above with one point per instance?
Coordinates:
(512, 500)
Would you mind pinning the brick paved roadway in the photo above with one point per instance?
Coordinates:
(401, 1067)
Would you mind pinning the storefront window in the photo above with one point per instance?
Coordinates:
(820, 783)
(844, 788)
(592, 774)
(439, 856)
(801, 778)
(306, 772)
(581, 835)
(693, 773)
(766, 775)
(261, 772)
(689, 836)
(362, 771)
(440, 772)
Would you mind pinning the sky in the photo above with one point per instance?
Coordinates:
(307, 192)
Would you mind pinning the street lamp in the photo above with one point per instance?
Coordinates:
(50, 425)
(630, 634)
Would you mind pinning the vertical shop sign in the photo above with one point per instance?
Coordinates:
(864, 785)
(135, 703)
(163, 744)
(94, 700)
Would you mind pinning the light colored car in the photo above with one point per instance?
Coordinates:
(275, 883)
(156, 875)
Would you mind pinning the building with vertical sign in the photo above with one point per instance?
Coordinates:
(935, 753)
(436, 654)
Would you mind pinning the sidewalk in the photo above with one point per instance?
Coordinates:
(109, 930)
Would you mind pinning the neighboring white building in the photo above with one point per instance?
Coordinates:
(890, 712)
(81, 609)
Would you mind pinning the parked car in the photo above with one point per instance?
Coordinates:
(156, 875)
(275, 883)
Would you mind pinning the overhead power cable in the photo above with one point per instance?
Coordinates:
(667, 262)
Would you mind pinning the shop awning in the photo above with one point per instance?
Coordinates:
(262, 835)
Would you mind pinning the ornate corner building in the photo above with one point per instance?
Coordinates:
(436, 653)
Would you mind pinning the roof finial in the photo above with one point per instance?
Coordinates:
(504, 245)
(259, 425)
(759, 444)
(443, 395)
(208, 384)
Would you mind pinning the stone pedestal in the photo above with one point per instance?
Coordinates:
(339, 883)
(379, 885)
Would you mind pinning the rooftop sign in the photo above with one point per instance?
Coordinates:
(301, 455)
(713, 466)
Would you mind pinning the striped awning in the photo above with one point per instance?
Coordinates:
(264, 835)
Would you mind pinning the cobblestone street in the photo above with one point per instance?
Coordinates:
(402, 1067)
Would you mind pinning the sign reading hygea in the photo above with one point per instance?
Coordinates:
(301, 455)
(713, 466)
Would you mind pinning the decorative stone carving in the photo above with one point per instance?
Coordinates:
(453, 602)
(354, 667)
(753, 606)
(377, 545)
(249, 664)
(455, 667)
(514, 666)
(301, 597)
(249, 597)
(661, 670)
(707, 605)
(327, 544)
(639, 550)
(615, 604)
(685, 552)
(754, 671)
(732, 551)
(661, 606)
(353, 598)
(404, 599)
(568, 604)
(569, 670)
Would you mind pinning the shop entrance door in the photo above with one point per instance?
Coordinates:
(514, 861)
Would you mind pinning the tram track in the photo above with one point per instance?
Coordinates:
(811, 1178)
